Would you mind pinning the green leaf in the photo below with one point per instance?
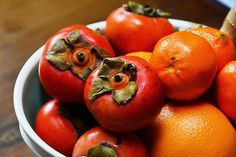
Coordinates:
(99, 51)
(83, 75)
(134, 7)
(131, 69)
(101, 83)
(59, 46)
(75, 38)
(104, 70)
(57, 54)
(145, 10)
(58, 60)
(108, 64)
(86, 74)
(123, 95)
(102, 150)
(99, 87)
(114, 63)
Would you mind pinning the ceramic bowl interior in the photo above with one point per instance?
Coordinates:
(29, 96)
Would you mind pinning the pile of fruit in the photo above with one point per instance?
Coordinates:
(139, 89)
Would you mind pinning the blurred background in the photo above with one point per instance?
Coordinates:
(25, 25)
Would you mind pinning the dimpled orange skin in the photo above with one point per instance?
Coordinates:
(129, 145)
(221, 44)
(186, 65)
(196, 129)
(143, 55)
(226, 90)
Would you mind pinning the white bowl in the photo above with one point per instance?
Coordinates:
(29, 96)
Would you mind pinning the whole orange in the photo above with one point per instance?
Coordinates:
(144, 55)
(221, 44)
(226, 90)
(186, 65)
(196, 129)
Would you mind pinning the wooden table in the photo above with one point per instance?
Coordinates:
(25, 25)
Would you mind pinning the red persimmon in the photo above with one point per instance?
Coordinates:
(225, 90)
(68, 58)
(135, 27)
(60, 125)
(100, 142)
(124, 94)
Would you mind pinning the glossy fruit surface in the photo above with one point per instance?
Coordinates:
(60, 124)
(186, 65)
(221, 44)
(144, 55)
(194, 129)
(55, 129)
(68, 58)
(226, 90)
(130, 32)
(125, 102)
(98, 141)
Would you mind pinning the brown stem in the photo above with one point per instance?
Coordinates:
(229, 25)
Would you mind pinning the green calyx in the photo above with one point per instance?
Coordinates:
(111, 68)
(122, 96)
(57, 54)
(99, 87)
(76, 38)
(102, 150)
(145, 10)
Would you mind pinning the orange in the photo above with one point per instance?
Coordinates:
(220, 42)
(226, 90)
(144, 55)
(186, 65)
(196, 129)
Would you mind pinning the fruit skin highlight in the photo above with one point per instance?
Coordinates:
(144, 55)
(129, 32)
(136, 112)
(221, 44)
(226, 90)
(65, 85)
(124, 145)
(186, 65)
(193, 129)
(55, 128)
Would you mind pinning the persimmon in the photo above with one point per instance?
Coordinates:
(124, 93)
(186, 65)
(99, 142)
(225, 90)
(136, 27)
(60, 125)
(221, 44)
(68, 58)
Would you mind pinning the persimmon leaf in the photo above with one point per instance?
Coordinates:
(57, 54)
(99, 87)
(102, 150)
(125, 94)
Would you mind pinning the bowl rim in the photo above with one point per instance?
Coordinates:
(27, 69)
